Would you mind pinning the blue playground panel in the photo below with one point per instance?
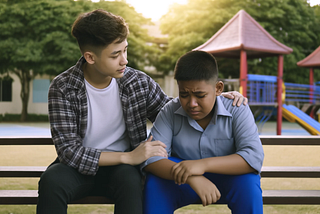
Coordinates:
(261, 89)
(301, 93)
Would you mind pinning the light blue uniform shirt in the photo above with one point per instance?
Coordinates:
(232, 130)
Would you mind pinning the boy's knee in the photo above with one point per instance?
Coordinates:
(128, 177)
(248, 186)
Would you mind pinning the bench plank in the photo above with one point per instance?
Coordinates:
(291, 196)
(26, 141)
(290, 172)
(265, 139)
(15, 197)
(267, 171)
(290, 140)
(19, 197)
(21, 171)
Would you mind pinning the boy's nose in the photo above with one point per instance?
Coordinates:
(124, 60)
(193, 102)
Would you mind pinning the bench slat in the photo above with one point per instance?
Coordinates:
(291, 196)
(269, 197)
(31, 197)
(267, 171)
(290, 140)
(21, 171)
(265, 139)
(290, 172)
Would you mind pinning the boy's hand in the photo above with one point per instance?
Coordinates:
(238, 98)
(181, 171)
(206, 190)
(146, 150)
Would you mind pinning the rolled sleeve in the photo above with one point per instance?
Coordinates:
(248, 144)
(161, 131)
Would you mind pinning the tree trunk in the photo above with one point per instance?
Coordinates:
(25, 79)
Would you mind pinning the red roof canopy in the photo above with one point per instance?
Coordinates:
(242, 32)
(311, 61)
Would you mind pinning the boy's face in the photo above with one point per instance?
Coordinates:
(197, 98)
(112, 60)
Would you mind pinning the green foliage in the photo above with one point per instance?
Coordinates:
(35, 37)
(291, 22)
(139, 53)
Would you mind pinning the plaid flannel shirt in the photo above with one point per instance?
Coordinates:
(141, 98)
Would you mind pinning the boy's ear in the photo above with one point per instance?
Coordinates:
(89, 56)
(219, 88)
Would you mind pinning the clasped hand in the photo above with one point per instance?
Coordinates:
(181, 171)
(191, 172)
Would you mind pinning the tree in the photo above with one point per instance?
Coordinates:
(35, 38)
(139, 53)
(291, 22)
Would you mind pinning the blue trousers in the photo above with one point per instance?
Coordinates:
(242, 193)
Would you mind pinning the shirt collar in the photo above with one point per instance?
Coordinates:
(219, 110)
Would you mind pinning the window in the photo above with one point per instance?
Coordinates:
(6, 89)
(40, 90)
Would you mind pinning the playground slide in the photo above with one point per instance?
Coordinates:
(294, 114)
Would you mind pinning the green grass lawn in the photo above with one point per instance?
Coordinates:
(274, 156)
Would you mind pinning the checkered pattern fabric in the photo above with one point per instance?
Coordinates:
(141, 98)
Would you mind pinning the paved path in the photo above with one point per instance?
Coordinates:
(25, 129)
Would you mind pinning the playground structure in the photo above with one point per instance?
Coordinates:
(262, 97)
(242, 37)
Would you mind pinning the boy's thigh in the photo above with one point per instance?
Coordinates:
(230, 185)
(164, 196)
(110, 179)
(62, 179)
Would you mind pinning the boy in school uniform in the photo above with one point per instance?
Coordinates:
(98, 110)
(215, 153)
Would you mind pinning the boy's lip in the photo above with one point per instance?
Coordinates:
(122, 70)
(193, 112)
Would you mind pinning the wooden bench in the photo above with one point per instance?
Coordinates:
(269, 196)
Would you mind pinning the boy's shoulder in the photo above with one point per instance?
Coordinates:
(172, 106)
(71, 78)
(227, 105)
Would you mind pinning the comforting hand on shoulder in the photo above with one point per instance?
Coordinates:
(238, 98)
(206, 190)
(181, 171)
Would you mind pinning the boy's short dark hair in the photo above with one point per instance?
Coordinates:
(196, 65)
(98, 29)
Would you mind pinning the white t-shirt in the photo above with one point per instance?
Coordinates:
(106, 129)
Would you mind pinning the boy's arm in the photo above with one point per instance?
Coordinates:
(229, 165)
(68, 143)
(156, 99)
(144, 151)
(205, 189)
(64, 115)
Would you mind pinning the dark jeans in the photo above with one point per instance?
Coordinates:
(61, 184)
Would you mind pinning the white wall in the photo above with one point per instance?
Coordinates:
(168, 85)
(15, 107)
